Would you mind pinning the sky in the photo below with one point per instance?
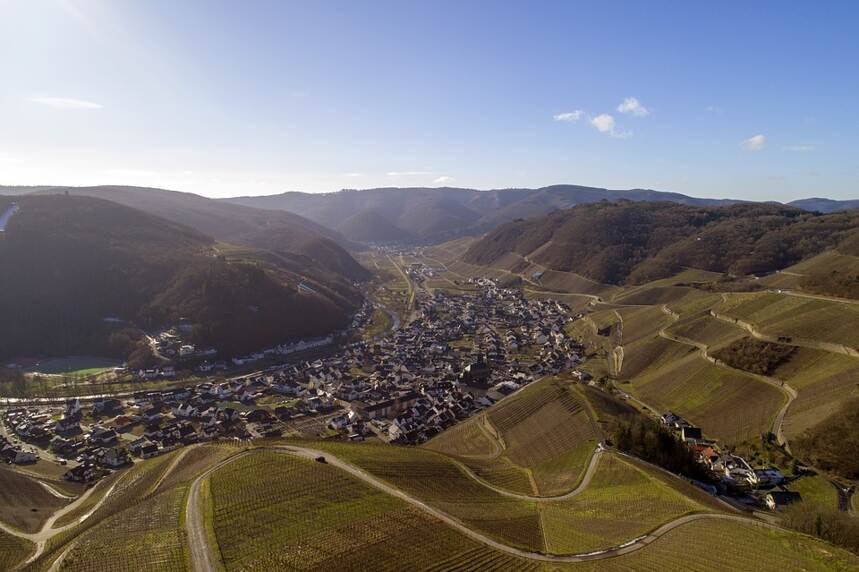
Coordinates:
(747, 100)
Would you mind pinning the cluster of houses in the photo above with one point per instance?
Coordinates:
(733, 472)
(15, 453)
(459, 355)
(172, 346)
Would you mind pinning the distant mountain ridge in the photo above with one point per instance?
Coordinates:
(823, 205)
(283, 232)
(431, 215)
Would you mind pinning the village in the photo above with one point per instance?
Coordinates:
(458, 355)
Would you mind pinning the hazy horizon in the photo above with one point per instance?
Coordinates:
(210, 98)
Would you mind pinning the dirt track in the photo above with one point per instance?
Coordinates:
(203, 559)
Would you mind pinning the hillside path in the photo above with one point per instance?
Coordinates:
(788, 391)
(203, 559)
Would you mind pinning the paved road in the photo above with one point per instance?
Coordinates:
(204, 561)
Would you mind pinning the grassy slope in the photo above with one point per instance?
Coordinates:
(24, 503)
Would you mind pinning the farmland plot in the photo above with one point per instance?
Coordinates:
(13, 550)
(729, 406)
(728, 546)
(592, 520)
(790, 316)
(273, 511)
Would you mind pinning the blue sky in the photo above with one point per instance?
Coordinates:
(748, 100)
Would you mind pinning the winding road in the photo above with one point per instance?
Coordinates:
(48, 531)
(204, 560)
(788, 391)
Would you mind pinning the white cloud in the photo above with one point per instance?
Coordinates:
(604, 123)
(408, 173)
(753, 144)
(799, 148)
(713, 109)
(569, 116)
(353, 174)
(631, 106)
(443, 180)
(65, 103)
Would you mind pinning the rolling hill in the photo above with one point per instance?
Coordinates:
(433, 215)
(823, 205)
(626, 242)
(281, 232)
(71, 262)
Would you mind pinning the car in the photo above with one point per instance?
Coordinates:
(321, 459)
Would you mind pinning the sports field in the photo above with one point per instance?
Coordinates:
(81, 366)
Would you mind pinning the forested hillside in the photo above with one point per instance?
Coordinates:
(626, 242)
(73, 265)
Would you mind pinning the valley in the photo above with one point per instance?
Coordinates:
(480, 412)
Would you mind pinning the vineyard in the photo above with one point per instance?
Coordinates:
(548, 431)
(442, 483)
(535, 443)
(705, 329)
(622, 502)
(823, 379)
(273, 511)
(130, 488)
(470, 438)
(13, 550)
(709, 545)
(729, 406)
(792, 316)
(145, 536)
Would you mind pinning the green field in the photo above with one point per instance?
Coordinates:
(80, 366)
(621, 503)
(816, 489)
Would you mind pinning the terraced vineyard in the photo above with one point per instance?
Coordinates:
(134, 513)
(730, 406)
(805, 319)
(619, 491)
(543, 437)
